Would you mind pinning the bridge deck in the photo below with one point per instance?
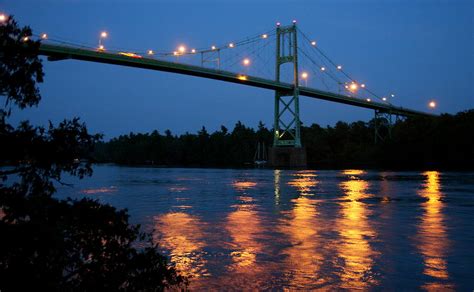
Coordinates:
(57, 52)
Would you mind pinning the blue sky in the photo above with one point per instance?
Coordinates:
(419, 50)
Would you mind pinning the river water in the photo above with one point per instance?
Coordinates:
(309, 229)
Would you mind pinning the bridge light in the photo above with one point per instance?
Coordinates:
(278, 23)
(25, 39)
(242, 77)
(101, 48)
(323, 68)
(339, 67)
(103, 35)
(193, 51)
(384, 98)
(182, 49)
(213, 48)
(246, 61)
(231, 45)
(3, 18)
(175, 53)
(44, 36)
(264, 36)
(362, 85)
(368, 99)
(432, 104)
(294, 21)
(150, 52)
(313, 43)
(353, 86)
(392, 95)
(304, 76)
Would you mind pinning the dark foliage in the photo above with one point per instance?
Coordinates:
(441, 142)
(20, 69)
(49, 244)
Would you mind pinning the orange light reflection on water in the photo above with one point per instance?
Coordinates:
(183, 235)
(303, 182)
(243, 185)
(433, 239)
(243, 224)
(354, 248)
(301, 227)
(247, 240)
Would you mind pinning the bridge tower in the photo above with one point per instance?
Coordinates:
(287, 150)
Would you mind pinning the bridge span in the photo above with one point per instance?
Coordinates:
(62, 52)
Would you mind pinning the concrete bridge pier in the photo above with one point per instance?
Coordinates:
(287, 157)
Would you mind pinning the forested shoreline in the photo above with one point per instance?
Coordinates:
(446, 142)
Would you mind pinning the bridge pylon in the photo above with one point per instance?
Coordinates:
(287, 150)
(287, 109)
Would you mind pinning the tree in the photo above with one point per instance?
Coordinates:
(50, 244)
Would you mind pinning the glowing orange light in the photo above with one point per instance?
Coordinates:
(175, 53)
(182, 49)
(3, 17)
(369, 100)
(150, 52)
(101, 48)
(242, 77)
(44, 36)
(131, 55)
(353, 86)
(304, 75)
(25, 39)
(103, 34)
(246, 61)
(432, 104)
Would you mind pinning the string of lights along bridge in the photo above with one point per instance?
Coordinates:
(283, 59)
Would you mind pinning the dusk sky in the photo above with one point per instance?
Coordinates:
(418, 50)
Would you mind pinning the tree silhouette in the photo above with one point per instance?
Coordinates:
(50, 244)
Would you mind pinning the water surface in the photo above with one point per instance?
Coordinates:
(283, 229)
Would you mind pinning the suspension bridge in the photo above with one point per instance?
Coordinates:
(281, 60)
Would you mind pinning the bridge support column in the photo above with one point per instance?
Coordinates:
(382, 126)
(287, 150)
(287, 157)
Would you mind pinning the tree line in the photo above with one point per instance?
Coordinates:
(446, 141)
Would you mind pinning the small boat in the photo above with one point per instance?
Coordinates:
(260, 157)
